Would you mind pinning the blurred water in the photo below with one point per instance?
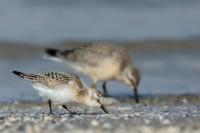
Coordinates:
(55, 20)
(162, 73)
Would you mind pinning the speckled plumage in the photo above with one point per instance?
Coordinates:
(53, 79)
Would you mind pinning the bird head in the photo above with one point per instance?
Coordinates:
(131, 76)
(94, 99)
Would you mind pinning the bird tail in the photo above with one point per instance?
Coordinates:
(52, 54)
(29, 77)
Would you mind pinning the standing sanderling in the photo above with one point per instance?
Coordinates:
(63, 88)
(101, 62)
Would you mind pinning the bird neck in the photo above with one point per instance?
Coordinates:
(82, 96)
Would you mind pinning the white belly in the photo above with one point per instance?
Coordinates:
(60, 95)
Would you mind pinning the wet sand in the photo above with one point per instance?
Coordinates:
(163, 114)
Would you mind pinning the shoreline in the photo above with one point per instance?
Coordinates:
(157, 99)
(23, 49)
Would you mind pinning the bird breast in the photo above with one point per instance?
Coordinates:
(59, 95)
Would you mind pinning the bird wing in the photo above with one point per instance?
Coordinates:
(93, 54)
(53, 80)
(56, 80)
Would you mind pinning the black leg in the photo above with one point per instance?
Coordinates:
(135, 91)
(50, 108)
(105, 93)
(65, 107)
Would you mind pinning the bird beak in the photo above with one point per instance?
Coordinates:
(135, 91)
(103, 108)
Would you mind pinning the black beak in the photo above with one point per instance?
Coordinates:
(102, 107)
(135, 91)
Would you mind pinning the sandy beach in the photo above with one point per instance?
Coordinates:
(177, 114)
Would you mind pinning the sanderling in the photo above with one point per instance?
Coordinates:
(62, 88)
(101, 62)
